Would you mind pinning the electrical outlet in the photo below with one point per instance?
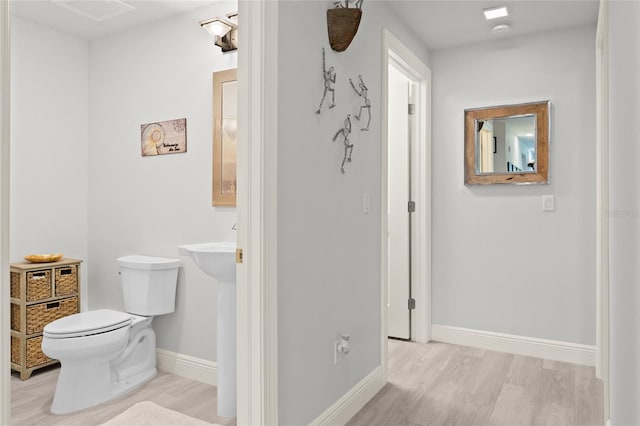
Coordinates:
(338, 355)
(341, 347)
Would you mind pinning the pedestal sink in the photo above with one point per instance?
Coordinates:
(218, 261)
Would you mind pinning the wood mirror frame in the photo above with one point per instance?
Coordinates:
(224, 190)
(540, 110)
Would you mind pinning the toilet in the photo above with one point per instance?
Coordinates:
(106, 353)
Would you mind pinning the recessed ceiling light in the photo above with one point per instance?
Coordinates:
(500, 28)
(496, 12)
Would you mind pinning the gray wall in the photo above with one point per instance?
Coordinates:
(329, 252)
(500, 263)
(624, 211)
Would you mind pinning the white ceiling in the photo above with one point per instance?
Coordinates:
(443, 24)
(439, 23)
(46, 13)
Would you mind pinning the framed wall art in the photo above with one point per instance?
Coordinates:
(164, 137)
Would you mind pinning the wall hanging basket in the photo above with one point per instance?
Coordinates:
(342, 25)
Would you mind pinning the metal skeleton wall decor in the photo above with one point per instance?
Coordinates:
(362, 92)
(366, 102)
(348, 146)
(329, 76)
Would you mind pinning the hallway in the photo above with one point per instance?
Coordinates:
(443, 384)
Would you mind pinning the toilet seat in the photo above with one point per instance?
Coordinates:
(87, 324)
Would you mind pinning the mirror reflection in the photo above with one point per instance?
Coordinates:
(506, 144)
(229, 131)
(225, 129)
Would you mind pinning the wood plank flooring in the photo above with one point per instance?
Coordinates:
(429, 384)
(31, 400)
(443, 384)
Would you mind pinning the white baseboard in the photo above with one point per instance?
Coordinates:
(338, 414)
(187, 366)
(530, 346)
(352, 401)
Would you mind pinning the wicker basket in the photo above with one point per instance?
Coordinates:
(66, 280)
(42, 314)
(15, 285)
(34, 352)
(38, 285)
(15, 317)
(15, 350)
(34, 355)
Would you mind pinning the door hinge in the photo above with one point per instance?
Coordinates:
(412, 109)
(412, 303)
(239, 255)
(412, 206)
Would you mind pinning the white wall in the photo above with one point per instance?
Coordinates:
(624, 211)
(150, 205)
(49, 129)
(486, 276)
(328, 251)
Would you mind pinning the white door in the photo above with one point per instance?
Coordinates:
(399, 194)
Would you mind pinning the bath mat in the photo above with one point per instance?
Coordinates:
(147, 413)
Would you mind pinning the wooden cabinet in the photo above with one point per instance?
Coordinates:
(40, 293)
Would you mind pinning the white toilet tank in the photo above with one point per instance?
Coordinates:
(149, 284)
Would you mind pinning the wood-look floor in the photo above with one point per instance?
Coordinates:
(31, 400)
(429, 384)
(443, 384)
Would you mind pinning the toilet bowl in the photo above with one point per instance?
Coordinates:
(106, 353)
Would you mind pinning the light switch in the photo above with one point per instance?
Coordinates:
(366, 203)
(548, 203)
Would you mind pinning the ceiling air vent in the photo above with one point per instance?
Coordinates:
(97, 10)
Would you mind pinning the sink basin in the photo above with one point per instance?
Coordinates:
(218, 260)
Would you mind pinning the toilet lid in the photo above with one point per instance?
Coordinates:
(87, 323)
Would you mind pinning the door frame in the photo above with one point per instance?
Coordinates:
(5, 68)
(257, 209)
(396, 51)
(602, 202)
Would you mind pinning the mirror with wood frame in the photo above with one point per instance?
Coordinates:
(507, 144)
(225, 129)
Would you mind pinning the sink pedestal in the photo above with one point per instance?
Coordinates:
(218, 261)
(226, 356)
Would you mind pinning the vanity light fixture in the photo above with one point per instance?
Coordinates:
(496, 12)
(225, 31)
(233, 17)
